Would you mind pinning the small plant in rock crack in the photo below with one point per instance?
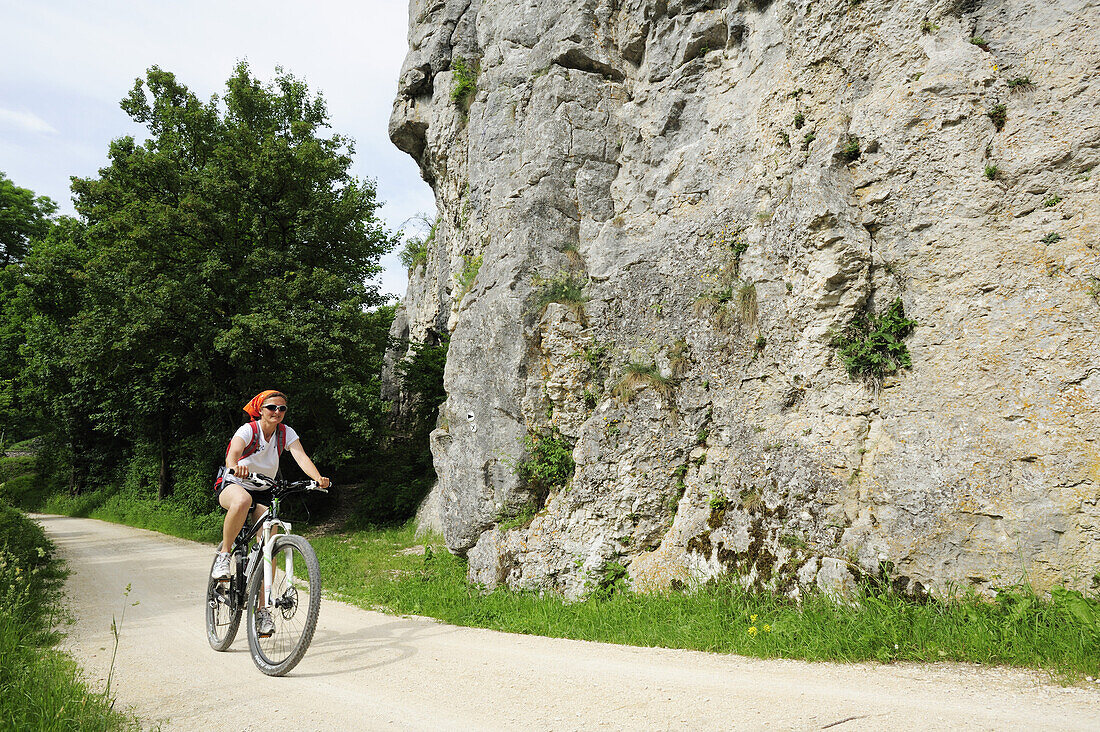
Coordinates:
(465, 80)
(980, 42)
(784, 139)
(465, 279)
(590, 399)
(872, 347)
(991, 171)
(998, 113)
(760, 343)
(807, 139)
(747, 309)
(614, 580)
(929, 27)
(718, 502)
(636, 376)
(1052, 201)
(566, 288)
(549, 466)
(1051, 238)
(1094, 293)
(1020, 82)
(799, 120)
(851, 150)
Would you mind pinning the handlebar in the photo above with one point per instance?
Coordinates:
(265, 482)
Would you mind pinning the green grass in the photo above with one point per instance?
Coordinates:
(167, 517)
(40, 688)
(1060, 634)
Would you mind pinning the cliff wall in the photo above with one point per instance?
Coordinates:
(732, 183)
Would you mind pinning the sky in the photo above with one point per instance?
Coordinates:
(66, 64)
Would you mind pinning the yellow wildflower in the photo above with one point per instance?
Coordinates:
(752, 630)
(767, 628)
(752, 618)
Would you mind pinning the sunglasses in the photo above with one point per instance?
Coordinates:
(275, 407)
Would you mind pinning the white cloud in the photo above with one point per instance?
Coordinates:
(26, 122)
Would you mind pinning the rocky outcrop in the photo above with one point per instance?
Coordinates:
(731, 183)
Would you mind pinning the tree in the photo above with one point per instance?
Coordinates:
(23, 217)
(225, 254)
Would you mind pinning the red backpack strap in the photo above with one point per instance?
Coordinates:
(280, 438)
(254, 444)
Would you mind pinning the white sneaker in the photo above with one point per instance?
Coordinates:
(221, 569)
(265, 626)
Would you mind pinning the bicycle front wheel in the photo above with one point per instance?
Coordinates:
(296, 591)
(223, 609)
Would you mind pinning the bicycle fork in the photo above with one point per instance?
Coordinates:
(268, 543)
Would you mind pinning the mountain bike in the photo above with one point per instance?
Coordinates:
(266, 571)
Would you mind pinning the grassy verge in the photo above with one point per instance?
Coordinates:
(166, 517)
(40, 688)
(1060, 634)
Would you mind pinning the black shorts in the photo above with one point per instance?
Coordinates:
(259, 497)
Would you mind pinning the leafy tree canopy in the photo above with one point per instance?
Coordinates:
(23, 217)
(226, 253)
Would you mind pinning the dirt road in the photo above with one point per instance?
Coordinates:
(371, 671)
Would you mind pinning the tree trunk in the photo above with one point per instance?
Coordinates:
(163, 487)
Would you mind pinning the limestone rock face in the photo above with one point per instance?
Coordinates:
(732, 181)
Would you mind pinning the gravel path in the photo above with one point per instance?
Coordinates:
(367, 670)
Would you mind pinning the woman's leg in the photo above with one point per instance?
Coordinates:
(236, 502)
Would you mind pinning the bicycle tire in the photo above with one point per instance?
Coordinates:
(294, 624)
(223, 618)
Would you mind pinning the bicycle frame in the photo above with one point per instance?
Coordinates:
(267, 527)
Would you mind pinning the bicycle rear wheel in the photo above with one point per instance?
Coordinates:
(296, 587)
(223, 608)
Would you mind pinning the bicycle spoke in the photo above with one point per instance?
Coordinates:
(293, 609)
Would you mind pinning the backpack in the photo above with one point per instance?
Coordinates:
(251, 447)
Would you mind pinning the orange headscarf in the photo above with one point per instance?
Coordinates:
(253, 407)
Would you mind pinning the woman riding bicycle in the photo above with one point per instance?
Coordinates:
(255, 448)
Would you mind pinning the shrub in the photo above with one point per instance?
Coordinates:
(871, 346)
